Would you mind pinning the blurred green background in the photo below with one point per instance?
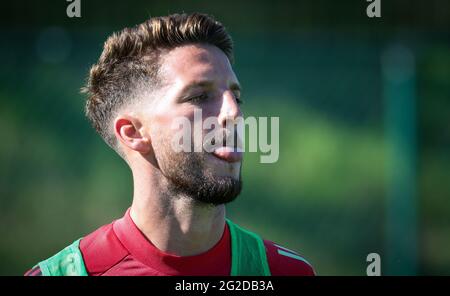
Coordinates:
(364, 107)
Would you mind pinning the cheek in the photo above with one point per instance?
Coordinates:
(162, 119)
(211, 108)
(166, 123)
(163, 126)
(166, 116)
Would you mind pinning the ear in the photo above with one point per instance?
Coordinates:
(129, 132)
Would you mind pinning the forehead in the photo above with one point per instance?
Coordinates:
(188, 63)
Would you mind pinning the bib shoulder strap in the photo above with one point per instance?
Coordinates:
(69, 261)
(248, 253)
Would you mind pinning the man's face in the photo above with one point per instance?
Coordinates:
(196, 77)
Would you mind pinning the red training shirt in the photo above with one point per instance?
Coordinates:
(120, 248)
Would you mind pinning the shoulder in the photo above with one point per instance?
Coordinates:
(283, 261)
(101, 250)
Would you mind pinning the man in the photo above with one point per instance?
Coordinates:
(148, 76)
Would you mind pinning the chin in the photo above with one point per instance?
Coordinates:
(232, 171)
(222, 168)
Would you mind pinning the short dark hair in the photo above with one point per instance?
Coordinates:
(132, 56)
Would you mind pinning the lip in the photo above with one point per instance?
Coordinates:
(228, 154)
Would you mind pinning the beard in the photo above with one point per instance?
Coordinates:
(187, 174)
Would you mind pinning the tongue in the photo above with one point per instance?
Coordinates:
(228, 154)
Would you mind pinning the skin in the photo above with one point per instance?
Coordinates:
(173, 221)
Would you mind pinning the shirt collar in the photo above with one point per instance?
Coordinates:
(216, 261)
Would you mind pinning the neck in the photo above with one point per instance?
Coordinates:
(174, 223)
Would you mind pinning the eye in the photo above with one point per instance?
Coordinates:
(199, 98)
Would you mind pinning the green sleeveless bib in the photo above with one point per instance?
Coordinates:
(67, 262)
(248, 256)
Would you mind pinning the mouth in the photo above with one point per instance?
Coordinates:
(230, 151)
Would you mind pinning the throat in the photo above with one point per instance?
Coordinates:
(181, 230)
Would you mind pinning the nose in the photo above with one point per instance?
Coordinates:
(229, 110)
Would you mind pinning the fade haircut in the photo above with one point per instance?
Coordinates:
(131, 58)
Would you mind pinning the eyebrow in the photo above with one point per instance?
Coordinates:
(207, 84)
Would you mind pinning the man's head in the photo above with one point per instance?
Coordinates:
(149, 76)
